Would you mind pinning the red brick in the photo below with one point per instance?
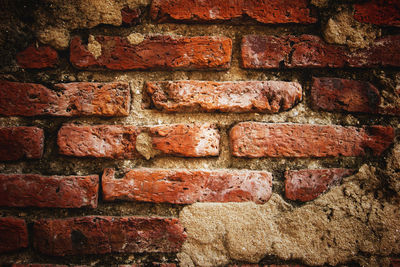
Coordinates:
(130, 16)
(33, 190)
(154, 264)
(268, 52)
(21, 142)
(272, 265)
(38, 57)
(250, 96)
(253, 139)
(380, 12)
(272, 12)
(68, 99)
(109, 141)
(154, 52)
(305, 185)
(395, 263)
(334, 94)
(13, 234)
(186, 140)
(188, 186)
(118, 141)
(101, 234)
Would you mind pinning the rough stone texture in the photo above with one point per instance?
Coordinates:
(154, 52)
(386, 13)
(208, 96)
(186, 140)
(13, 234)
(320, 3)
(33, 190)
(54, 36)
(37, 57)
(21, 142)
(344, 29)
(334, 94)
(275, 11)
(355, 217)
(309, 51)
(253, 139)
(69, 99)
(54, 26)
(103, 234)
(119, 142)
(305, 185)
(188, 186)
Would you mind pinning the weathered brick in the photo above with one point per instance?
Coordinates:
(109, 141)
(154, 52)
(102, 234)
(305, 185)
(33, 190)
(378, 12)
(130, 16)
(186, 140)
(21, 142)
(334, 94)
(208, 96)
(266, 52)
(395, 263)
(154, 264)
(188, 186)
(272, 12)
(272, 265)
(37, 57)
(13, 234)
(68, 99)
(118, 141)
(253, 139)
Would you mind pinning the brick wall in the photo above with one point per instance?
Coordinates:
(105, 143)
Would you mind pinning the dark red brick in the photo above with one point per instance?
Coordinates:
(333, 94)
(38, 57)
(308, 51)
(380, 12)
(305, 185)
(154, 52)
(118, 141)
(395, 263)
(272, 12)
(33, 190)
(130, 16)
(188, 186)
(13, 234)
(101, 234)
(68, 99)
(254, 139)
(21, 142)
(208, 96)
